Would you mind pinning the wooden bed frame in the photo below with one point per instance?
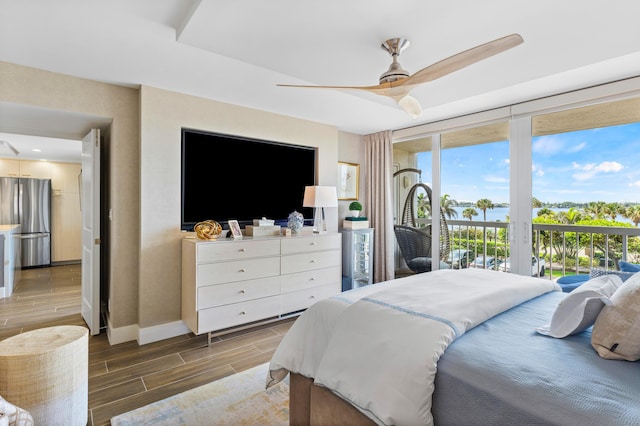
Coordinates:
(315, 405)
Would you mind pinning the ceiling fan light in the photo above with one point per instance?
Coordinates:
(411, 106)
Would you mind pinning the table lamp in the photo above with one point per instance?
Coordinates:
(320, 197)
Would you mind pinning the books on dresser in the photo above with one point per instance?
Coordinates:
(355, 223)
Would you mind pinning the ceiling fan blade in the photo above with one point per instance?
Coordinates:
(393, 89)
(462, 59)
(369, 88)
(398, 93)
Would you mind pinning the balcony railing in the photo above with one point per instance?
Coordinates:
(566, 249)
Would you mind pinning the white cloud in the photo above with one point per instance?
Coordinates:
(591, 170)
(577, 148)
(495, 179)
(554, 144)
(548, 145)
(609, 166)
(537, 170)
(635, 184)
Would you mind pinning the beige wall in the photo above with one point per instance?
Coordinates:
(144, 179)
(163, 114)
(351, 150)
(42, 89)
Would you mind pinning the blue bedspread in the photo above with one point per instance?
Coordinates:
(503, 373)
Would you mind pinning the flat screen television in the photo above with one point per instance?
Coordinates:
(229, 177)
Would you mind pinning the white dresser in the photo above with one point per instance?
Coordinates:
(228, 283)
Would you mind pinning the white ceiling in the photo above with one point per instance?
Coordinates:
(238, 51)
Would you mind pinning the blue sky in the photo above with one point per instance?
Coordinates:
(588, 165)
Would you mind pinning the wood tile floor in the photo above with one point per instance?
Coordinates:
(127, 376)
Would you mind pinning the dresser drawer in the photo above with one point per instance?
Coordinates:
(310, 261)
(240, 270)
(238, 313)
(232, 250)
(302, 299)
(225, 294)
(304, 244)
(309, 279)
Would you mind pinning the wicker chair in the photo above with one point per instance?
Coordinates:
(415, 246)
(409, 216)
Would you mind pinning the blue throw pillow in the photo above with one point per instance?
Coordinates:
(629, 267)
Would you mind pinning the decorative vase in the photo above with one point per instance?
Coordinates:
(354, 213)
(295, 222)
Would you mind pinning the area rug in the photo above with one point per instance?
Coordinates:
(240, 399)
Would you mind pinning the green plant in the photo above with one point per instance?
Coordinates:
(355, 206)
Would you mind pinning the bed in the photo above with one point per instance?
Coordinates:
(370, 356)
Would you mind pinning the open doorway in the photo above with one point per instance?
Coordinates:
(58, 160)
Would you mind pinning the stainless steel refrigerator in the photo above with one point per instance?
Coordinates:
(27, 202)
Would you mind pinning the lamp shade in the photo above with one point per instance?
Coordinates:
(320, 196)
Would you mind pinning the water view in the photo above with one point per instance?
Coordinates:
(500, 214)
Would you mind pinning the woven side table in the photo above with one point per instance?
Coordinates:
(46, 372)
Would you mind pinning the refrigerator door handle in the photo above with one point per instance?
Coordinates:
(16, 200)
(34, 235)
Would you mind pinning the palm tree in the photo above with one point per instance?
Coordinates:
(596, 208)
(633, 214)
(484, 204)
(447, 205)
(613, 210)
(570, 216)
(469, 212)
(424, 205)
(573, 215)
(535, 203)
(545, 212)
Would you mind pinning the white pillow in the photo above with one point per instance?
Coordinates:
(579, 310)
(11, 415)
(616, 333)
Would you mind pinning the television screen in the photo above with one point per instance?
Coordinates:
(228, 177)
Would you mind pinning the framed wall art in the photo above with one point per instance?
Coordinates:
(348, 178)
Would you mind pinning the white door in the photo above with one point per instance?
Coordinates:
(90, 206)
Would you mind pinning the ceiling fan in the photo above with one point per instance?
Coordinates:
(396, 83)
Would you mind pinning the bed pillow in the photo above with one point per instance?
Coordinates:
(579, 310)
(616, 332)
(628, 267)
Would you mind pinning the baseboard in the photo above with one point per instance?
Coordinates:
(121, 334)
(161, 332)
(145, 335)
(66, 262)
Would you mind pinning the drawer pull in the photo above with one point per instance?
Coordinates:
(242, 292)
(313, 261)
(313, 243)
(242, 270)
(242, 250)
(312, 297)
(312, 279)
(243, 313)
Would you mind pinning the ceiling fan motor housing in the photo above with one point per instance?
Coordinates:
(395, 72)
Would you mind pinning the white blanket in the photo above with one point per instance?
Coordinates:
(378, 347)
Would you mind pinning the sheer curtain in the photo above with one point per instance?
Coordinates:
(379, 202)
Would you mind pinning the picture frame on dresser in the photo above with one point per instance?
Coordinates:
(236, 232)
